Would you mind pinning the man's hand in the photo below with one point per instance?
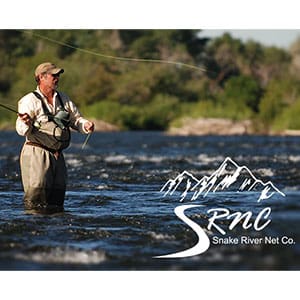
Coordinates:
(89, 126)
(25, 118)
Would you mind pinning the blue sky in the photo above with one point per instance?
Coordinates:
(280, 38)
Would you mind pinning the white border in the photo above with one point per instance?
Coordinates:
(212, 14)
(152, 285)
(118, 14)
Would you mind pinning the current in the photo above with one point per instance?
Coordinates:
(116, 218)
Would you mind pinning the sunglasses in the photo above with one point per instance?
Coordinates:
(55, 75)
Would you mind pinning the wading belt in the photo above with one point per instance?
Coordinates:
(43, 147)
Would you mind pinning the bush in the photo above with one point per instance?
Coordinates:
(108, 111)
(160, 112)
(279, 95)
(289, 118)
(242, 91)
(156, 115)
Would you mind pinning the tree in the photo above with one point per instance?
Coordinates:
(14, 44)
(279, 95)
(222, 58)
(243, 91)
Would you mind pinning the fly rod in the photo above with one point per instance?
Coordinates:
(8, 108)
(86, 140)
(13, 110)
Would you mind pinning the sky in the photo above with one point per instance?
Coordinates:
(280, 38)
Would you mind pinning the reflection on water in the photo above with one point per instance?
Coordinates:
(115, 217)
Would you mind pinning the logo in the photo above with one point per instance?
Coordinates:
(228, 178)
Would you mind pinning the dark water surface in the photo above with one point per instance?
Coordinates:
(116, 219)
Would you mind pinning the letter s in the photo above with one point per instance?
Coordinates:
(203, 240)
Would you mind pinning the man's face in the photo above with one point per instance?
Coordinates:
(49, 80)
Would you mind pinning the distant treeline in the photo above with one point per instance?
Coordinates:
(243, 80)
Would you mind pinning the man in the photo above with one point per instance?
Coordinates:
(44, 118)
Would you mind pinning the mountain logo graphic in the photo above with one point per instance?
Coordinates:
(229, 176)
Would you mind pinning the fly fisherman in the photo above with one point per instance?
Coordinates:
(44, 118)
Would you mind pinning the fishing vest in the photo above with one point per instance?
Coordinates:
(52, 131)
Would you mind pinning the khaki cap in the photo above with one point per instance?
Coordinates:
(47, 67)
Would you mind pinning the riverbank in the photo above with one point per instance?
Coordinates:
(214, 126)
(199, 126)
(207, 126)
(102, 126)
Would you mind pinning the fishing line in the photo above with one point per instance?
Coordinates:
(120, 58)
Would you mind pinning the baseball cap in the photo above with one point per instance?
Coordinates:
(47, 67)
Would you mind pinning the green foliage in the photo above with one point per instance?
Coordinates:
(223, 57)
(273, 55)
(242, 91)
(136, 85)
(243, 80)
(11, 50)
(156, 115)
(279, 95)
(211, 109)
(108, 111)
(160, 112)
(289, 118)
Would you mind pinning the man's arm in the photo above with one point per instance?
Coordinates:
(25, 116)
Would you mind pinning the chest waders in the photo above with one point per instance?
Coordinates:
(44, 173)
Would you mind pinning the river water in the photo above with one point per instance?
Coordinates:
(116, 218)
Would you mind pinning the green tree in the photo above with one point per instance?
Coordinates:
(243, 91)
(243, 79)
(222, 58)
(14, 44)
(279, 95)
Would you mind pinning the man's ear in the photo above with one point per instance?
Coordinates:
(41, 76)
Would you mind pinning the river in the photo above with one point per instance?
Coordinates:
(116, 218)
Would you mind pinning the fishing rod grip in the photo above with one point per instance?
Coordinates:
(25, 118)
